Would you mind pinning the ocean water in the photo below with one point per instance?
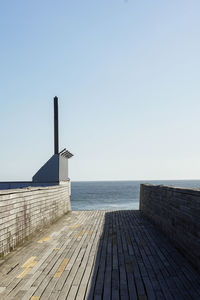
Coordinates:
(115, 195)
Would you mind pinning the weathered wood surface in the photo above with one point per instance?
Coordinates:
(24, 211)
(176, 212)
(98, 255)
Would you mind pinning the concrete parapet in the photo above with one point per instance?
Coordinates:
(176, 211)
(26, 210)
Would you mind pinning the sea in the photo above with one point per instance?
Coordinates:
(115, 195)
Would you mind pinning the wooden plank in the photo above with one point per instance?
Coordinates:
(73, 268)
(124, 287)
(88, 277)
(48, 288)
(99, 255)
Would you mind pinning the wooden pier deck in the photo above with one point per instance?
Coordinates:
(98, 255)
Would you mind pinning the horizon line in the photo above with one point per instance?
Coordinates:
(120, 180)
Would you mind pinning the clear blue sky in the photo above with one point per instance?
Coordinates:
(127, 74)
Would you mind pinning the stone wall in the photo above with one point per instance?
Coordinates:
(176, 211)
(24, 211)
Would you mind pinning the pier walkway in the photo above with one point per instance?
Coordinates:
(98, 255)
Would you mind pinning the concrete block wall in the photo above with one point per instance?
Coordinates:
(24, 211)
(176, 212)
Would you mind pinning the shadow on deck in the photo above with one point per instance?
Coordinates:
(135, 261)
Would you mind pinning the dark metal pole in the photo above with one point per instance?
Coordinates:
(56, 125)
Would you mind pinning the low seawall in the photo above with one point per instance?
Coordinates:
(26, 210)
(5, 185)
(176, 212)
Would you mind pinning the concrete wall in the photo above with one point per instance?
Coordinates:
(63, 168)
(49, 172)
(55, 169)
(5, 185)
(176, 211)
(23, 211)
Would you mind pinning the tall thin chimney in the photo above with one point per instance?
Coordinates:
(56, 125)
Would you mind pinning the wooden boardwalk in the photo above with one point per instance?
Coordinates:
(98, 255)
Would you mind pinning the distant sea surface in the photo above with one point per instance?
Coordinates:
(115, 195)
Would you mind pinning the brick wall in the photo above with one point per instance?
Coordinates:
(176, 211)
(23, 211)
